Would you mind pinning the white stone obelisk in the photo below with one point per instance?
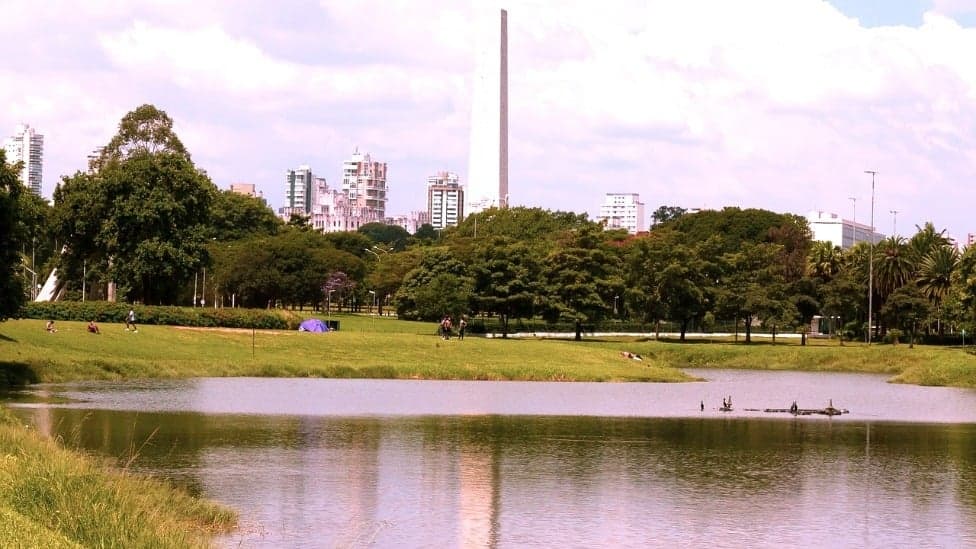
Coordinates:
(487, 184)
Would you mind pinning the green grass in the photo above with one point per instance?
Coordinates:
(364, 347)
(371, 347)
(51, 497)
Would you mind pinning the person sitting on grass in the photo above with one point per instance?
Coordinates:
(93, 328)
(50, 327)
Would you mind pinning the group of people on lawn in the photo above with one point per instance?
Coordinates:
(447, 325)
(130, 324)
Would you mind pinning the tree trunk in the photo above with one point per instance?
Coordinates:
(684, 328)
(579, 330)
(504, 319)
(748, 322)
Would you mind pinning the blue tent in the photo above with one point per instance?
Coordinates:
(313, 325)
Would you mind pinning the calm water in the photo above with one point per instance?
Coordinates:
(355, 463)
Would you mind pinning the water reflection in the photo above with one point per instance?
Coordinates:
(517, 481)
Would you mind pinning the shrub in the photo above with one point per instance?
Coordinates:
(103, 311)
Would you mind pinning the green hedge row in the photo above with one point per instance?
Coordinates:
(103, 311)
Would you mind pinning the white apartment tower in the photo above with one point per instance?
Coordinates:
(364, 183)
(623, 211)
(445, 200)
(27, 146)
(488, 157)
(299, 192)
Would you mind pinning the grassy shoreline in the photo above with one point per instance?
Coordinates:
(371, 347)
(53, 497)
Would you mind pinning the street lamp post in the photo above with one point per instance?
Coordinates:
(372, 301)
(894, 222)
(328, 306)
(871, 262)
(615, 305)
(853, 219)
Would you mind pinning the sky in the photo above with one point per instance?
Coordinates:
(775, 104)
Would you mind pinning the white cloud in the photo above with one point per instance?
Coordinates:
(763, 103)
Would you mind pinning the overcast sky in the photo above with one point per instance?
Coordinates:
(776, 104)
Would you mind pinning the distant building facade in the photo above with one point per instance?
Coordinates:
(410, 222)
(27, 146)
(244, 188)
(830, 227)
(364, 182)
(445, 200)
(623, 211)
(298, 192)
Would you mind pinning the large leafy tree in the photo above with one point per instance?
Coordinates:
(665, 214)
(393, 236)
(506, 279)
(582, 276)
(670, 279)
(292, 268)
(752, 286)
(11, 237)
(140, 217)
(234, 216)
(439, 285)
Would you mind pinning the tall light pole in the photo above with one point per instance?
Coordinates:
(894, 222)
(871, 262)
(372, 293)
(853, 219)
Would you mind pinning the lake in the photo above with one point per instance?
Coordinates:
(390, 463)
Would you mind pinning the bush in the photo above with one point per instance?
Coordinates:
(893, 336)
(103, 311)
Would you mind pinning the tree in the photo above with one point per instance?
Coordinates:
(582, 277)
(394, 236)
(235, 216)
(506, 280)
(893, 266)
(426, 232)
(668, 279)
(141, 218)
(665, 214)
(904, 308)
(439, 285)
(752, 286)
(11, 237)
(145, 130)
(935, 276)
(349, 242)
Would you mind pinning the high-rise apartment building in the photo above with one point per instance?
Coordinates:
(623, 211)
(488, 160)
(445, 200)
(27, 146)
(298, 191)
(364, 183)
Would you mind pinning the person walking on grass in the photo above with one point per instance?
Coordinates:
(462, 324)
(130, 321)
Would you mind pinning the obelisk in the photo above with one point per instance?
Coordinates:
(487, 184)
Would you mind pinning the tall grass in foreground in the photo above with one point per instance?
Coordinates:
(51, 497)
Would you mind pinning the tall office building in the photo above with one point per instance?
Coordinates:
(27, 146)
(488, 158)
(364, 183)
(445, 200)
(623, 211)
(830, 227)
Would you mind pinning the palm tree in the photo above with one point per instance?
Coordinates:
(926, 240)
(824, 261)
(935, 275)
(893, 265)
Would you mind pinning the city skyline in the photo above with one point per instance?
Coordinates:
(775, 105)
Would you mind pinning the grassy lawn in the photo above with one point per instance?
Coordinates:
(364, 347)
(371, 347)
